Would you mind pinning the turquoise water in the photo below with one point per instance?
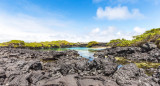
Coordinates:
(83, 51)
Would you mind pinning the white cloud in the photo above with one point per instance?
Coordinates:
(27, 28)
(95, 30)
(48, 28)
(111, 32)
(103, 35)
(139, 30)
(119, 12)
(118, 33)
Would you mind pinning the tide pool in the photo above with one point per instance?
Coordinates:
(83, 51)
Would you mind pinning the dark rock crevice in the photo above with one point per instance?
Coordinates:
(23, 67)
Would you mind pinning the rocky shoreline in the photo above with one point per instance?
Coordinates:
(24, 67)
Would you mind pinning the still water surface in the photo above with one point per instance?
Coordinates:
(83, 51)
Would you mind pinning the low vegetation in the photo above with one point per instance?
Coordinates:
(122, 60)
(92, 43)
(47, 44)
(13, 43)
(152, 35)
(119, 42)
(147, 65)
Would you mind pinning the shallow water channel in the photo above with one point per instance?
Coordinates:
(83, 51)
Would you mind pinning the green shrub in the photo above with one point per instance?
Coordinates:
(119, 42)
(56, 44)
(46, 44)
(2, 44)
(152, 35)
(33, 45)
(15, 43)
(92, 43)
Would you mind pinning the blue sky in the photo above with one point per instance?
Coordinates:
(76, 20)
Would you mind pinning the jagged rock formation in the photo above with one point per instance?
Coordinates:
(23, 67)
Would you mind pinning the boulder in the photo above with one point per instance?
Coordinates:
(19, 80)
(2, 76)
(103, 66)
(156, 76)
(2, 73)
(148, 46)
(66, 69)
(94, 81)
(35, 66)
(68, 80)
(81, 65)
(36, 76)
(130, 75)
(110, 69)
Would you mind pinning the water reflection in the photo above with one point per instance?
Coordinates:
(83, 51)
